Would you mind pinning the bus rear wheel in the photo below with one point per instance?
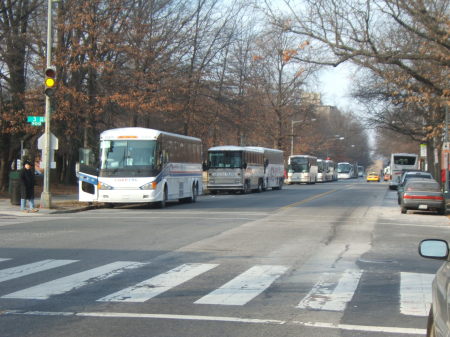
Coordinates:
(194, 193)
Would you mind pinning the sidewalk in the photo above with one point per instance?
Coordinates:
(64, 200)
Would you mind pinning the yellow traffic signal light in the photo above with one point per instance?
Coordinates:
(50, 81)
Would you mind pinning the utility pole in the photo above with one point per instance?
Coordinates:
(292, 135)
(447, 154)
(46, 198)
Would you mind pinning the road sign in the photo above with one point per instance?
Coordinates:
(36, 120)
(53, 147)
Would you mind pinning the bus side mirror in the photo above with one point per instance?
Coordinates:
(205, 166)
(244, 166)
(266, 163)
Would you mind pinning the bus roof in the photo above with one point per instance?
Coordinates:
(227, 148)
(262, 149)
(139, 133)
(243, 148)
(405, 154)
(302, 156)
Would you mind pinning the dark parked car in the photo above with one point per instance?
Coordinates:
(438, 319)
(410, 175)
(422, 194)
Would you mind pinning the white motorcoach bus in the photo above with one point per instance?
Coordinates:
(302, 169)
(322, 169)
(331, 174)
(345, 170)
(273, 167)
(400, 162)
(240, 168)
(139, 165)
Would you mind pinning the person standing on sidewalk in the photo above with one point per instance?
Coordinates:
(27, 187)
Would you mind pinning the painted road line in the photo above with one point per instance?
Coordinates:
(364, 328)
(244, 287)
(225, 319)
(415, 293)
(62, 285)
(326, 295)
(138, 315)
(3, 259)
(159, 284)
(31, 268)
(314, 197)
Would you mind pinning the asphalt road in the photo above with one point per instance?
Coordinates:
(334, 259)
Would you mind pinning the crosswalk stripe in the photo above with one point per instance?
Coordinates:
(323, 297)
(244, 287)
(59, 286)
(31, 268)
(415, 293)
(159, 284)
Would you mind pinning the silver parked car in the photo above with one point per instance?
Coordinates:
(438, 319)
(410, 175)
(423, 195)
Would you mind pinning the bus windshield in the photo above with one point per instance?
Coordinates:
(320, 166)
(344, 168)
(225, 159)
(127, 158)
(299, 165)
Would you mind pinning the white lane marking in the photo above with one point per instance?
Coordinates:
(147, 316)
(366, 328)
(325, 325)
(3, 259)
(59, 286)
(415, 293)
(323, 297)
(244, 287)
(31, 268)
(159, 284)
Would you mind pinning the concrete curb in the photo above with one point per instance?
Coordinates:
(75, 210)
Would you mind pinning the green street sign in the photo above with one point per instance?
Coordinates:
(36, 120)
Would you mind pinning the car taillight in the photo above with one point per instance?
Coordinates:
(423, 197)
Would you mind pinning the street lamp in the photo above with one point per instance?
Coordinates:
(336, 137)
(292, 133)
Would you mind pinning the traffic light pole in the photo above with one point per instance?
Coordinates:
(46, 197)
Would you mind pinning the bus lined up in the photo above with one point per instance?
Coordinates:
(345, 170)
(139, 165)
(327, 170)
(244, 169)
(302, 169)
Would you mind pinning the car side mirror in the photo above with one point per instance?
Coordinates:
(434, 249)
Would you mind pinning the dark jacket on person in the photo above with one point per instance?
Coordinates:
(27, 184)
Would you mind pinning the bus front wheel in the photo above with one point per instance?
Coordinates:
(247, 187)
(163, 202)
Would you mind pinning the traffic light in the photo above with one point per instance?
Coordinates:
(50, 81)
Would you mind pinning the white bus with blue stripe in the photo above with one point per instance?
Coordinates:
(139, 165)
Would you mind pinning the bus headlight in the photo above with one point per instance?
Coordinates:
(149, 186)
(103, 186)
